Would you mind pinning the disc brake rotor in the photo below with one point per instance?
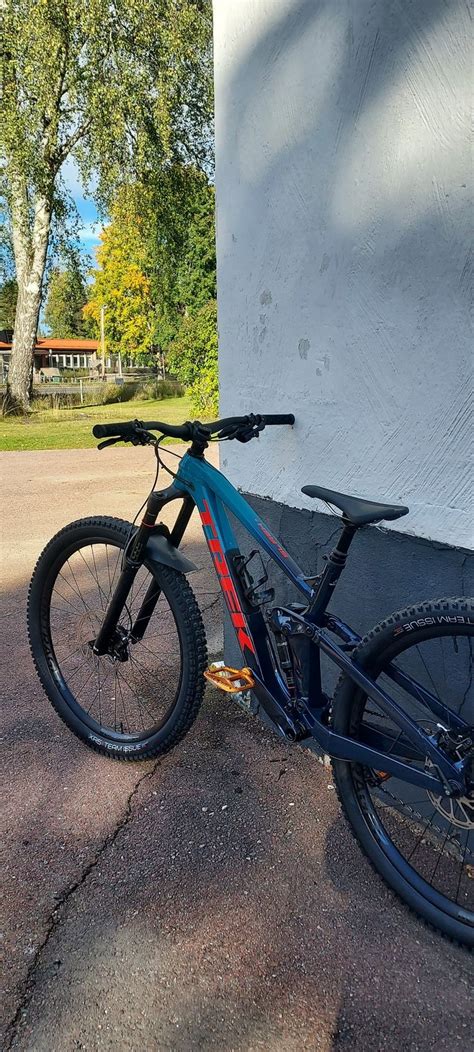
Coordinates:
(457, 810)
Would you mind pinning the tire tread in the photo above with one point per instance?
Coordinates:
(362, 653)
(193, 641)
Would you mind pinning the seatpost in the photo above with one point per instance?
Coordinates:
(336, 561)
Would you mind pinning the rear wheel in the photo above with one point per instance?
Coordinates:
(139, 701)
(421, 842)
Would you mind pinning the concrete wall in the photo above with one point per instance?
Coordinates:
(343, 272)
(385, 570)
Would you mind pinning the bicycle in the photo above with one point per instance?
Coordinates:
(119, 645)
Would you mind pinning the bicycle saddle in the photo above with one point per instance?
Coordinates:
(356, 509)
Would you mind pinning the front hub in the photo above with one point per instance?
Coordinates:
(118, 648)
(119, 644)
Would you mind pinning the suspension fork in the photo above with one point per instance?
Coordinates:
(153, 591)
(134, 558)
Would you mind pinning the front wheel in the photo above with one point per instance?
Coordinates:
(421, 842)
(138, 701)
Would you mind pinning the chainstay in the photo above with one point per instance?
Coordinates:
(411, 812)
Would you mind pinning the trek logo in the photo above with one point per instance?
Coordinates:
(274, 541)
(226, 582)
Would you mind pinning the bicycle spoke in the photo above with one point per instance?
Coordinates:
(441, 850)
(137, 696)
(118, 684)
(161, 663)
(94, 578)
(131, 697)
(146, 579)
(63, 597)
(117, 562)
(422, 834)
(429, 676)
(153, 653)
(470, 679)
(76, 590)
(100, 691)
(433, 833)
(151, 679)
(131, 689)
(461, 871)
(84, 684)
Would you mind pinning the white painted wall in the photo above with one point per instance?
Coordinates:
(343, 233)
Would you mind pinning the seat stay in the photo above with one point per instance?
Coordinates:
(426, 698)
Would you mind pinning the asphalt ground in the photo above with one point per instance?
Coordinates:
(214, 899)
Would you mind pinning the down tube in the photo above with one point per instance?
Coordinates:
(248, 622)
(222, 546)
(210, 484)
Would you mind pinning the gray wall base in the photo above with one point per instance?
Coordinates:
(386, 571)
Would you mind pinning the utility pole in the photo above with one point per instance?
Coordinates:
(102, 337)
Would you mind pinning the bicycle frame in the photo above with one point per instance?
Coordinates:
(198, 483)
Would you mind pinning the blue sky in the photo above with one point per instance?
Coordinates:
(90, 223)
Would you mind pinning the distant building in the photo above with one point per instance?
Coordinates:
(51, 353)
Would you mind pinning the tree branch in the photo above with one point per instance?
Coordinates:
(64, 148)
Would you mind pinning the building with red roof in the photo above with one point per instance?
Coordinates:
(53, 353)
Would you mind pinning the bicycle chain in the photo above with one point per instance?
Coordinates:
(416, 814)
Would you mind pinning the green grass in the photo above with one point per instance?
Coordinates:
(72, 428)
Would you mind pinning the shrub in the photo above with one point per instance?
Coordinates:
(55, 400)
(109, 393)
(192, 357)
(158, 389)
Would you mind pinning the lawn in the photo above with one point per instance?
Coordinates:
(72, 428)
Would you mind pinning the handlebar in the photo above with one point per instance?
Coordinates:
(235, 421)
(126, 430)
(187, 431)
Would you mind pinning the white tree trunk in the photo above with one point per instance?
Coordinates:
(30, 258)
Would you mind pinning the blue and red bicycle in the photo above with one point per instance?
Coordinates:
(119, 645)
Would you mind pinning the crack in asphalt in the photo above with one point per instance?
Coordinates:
(204, 609)
(55, 916)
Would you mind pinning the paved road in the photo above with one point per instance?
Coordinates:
(213, 900)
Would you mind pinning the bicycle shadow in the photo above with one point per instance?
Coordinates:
(234, 905)
(61, 801)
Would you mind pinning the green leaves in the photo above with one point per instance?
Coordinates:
(192, 357)
(8, 298)
(120, 283)
(123, 86)
(64, 305)
(157, 269)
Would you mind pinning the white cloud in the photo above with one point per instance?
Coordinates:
(89, 232)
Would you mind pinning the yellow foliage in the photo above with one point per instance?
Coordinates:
(121, 284)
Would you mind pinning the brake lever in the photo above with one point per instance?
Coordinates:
(251, 431)
(108, 442)
(141, 437)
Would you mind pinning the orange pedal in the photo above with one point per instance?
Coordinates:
(231, 680)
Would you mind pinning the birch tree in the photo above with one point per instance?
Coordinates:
(123, 87)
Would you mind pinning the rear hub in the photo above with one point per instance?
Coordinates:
(459, 810)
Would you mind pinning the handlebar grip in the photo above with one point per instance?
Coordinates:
(279, 418)
(112, 430)
(128, 430)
